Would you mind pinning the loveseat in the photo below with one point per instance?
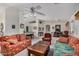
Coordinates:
(11, 45)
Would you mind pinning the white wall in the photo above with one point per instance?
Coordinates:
(59, 11)
(12, 18)
(75, 28)
(74, 24)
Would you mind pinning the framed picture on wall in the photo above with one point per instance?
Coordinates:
(13, 26)
(34, 27)
(42, 28)
(52, 27)
(1, 26)
(1, 29)
(21, 25)
(39, 28)
(58, 26)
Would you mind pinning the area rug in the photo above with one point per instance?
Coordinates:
(61, 48)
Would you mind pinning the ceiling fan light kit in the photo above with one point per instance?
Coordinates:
(34, 11)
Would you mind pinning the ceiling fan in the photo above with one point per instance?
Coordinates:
(34, 10)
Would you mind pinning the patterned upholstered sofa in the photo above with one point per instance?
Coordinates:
(68, 46)
(11, 45)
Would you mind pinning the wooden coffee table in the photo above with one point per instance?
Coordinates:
(39, 49)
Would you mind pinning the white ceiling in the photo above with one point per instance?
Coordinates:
(53, 11)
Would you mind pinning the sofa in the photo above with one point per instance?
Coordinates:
(11, 45)
(67, 46)
(0, 44)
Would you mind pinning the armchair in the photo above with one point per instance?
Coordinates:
(47, 37)
(65, 34)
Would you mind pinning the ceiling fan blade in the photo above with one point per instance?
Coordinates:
(27, 10)
(40, 13)
(38, 7)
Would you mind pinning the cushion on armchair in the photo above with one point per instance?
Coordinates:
(63, 40)
(47, 35)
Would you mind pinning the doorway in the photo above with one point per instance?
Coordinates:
(27, 29)
(58, 28)
(57, 32)
(47, 28)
